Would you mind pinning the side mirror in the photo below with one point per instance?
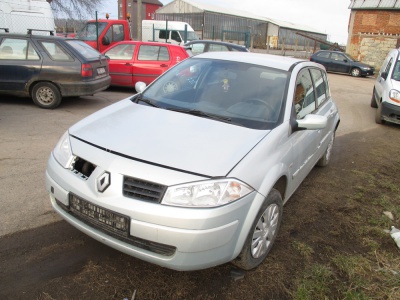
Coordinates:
(140, 86)
(312, 122)
(105, 40)
(384, 75)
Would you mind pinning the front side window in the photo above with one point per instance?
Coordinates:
(320, 85)
(396, 71)
(17, 49)
(88, 33)
(304, 98)
(175, 36)
(55, 51)
(121, 52)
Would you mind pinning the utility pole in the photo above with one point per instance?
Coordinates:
(139, 19)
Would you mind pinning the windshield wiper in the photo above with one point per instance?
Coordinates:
(140, 98)
(200, 113)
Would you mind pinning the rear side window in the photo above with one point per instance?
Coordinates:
(323, 54)
(55, 51)
(198, 48)
(17, 49)
(84, 49)
(148, 52)
(214, 47)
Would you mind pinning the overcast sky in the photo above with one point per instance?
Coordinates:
(328, 16)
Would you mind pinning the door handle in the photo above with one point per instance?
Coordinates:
(163, 65)
(129, 64)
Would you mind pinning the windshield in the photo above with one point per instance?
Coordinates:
(396, 71)
(88, 33)
(350, 57)
(239, 93)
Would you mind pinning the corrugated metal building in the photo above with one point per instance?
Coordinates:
(374, 29)
(221, 23)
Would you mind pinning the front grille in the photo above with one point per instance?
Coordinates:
(143, 190)
(121, 234)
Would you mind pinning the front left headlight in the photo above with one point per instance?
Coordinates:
(394, 95)
(210, 193)
(63, 152)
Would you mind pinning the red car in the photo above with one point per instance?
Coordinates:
(133, 61)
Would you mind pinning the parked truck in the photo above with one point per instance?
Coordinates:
(110, 32)
(107, 34)
(17, 16)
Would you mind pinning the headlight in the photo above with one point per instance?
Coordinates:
(63, 152)
(394, 95)
(209, 193)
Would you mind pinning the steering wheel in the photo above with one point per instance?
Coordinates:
(261, 101)
(170, 87)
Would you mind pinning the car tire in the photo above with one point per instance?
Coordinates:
(373, 101)
(378, 115)
(326, 158)
(355, 72)
(263, 232)
(46, 95)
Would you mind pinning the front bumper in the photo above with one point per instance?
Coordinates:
(367, 72)
(390, 112)
(194, 238)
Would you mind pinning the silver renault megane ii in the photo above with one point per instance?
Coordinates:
(193, 170)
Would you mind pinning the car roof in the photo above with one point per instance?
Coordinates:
(26, 35)
(268, 60)
(148, 43)
(214, 42)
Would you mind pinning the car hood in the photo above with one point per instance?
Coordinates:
(180, 141)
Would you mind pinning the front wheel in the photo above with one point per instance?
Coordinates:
(262, 234)
(46, 95)
(373, 101)
(355, 72)
(326, 158)
(378, 115)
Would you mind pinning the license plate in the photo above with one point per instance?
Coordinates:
(101, 71)
(99, 216)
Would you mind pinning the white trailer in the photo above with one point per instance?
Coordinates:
(20, 15)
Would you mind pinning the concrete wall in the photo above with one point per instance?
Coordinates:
(372, 34)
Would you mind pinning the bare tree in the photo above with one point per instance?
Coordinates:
(74, 9)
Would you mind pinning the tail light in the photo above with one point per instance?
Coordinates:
(87, 70)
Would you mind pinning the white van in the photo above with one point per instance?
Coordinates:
(167, 31)
(20, 15)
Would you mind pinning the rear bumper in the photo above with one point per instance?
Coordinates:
(85, 88)
(390, 112)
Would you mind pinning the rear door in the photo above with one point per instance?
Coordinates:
(150, 62)
(20, 62)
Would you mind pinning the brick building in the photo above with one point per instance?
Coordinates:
(374, 29)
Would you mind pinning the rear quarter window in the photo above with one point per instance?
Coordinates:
(55, 51)
(84, 49)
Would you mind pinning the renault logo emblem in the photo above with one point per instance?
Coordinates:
(103, 182)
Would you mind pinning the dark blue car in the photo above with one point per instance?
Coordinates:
(336, 61)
